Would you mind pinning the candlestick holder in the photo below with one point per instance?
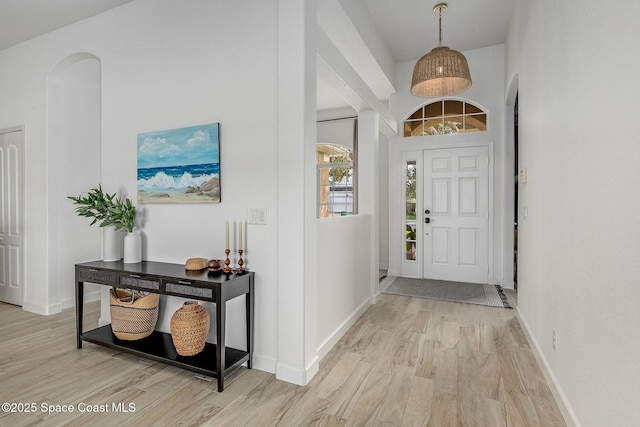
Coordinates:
(227, 269)
(240, 262)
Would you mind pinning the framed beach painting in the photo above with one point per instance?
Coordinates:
(180, 165)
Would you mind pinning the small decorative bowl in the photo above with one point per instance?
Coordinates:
(214, 264)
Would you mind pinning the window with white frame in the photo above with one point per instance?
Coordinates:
(410, 204)
(335, 180)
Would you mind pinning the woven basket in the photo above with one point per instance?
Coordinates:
(189, 328)
(133, 318)
(195, 264)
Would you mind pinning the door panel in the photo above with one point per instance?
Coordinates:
(441, 196)
(442, 241)
(11, 218)
(456, 194)
(469, 247)
(468, 196)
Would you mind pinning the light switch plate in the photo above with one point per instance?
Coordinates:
(257, 216)
(523, 175)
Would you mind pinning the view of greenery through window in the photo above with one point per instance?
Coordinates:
(335, 180)
(410, 210)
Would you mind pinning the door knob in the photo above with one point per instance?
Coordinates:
(427, 212)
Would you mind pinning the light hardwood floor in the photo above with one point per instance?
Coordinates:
(406, 362)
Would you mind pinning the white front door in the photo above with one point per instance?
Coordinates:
(11, 217)
(456, 214)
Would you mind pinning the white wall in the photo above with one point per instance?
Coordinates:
(345, 245)
(74, 159)
(339, 132)
(383, 186)
(163, 66)
(344, 290)
(578, 249)
(249, 66)
(487, 72)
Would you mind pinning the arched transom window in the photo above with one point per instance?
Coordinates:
(446, 117)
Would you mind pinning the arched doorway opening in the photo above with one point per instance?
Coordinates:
(74, 140)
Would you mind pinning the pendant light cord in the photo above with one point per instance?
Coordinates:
(440, 26)
(439, 8)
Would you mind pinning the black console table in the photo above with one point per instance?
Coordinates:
(216, 360)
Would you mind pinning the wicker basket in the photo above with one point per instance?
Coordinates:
(195, 264)
(133, 315)
(189, 328)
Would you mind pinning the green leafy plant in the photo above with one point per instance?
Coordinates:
(106, 209)
(340, 173)
(411, 237)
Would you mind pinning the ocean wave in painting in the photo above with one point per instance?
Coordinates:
(176, 178)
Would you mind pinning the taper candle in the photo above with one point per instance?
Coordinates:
(227, 235)
(240, 236)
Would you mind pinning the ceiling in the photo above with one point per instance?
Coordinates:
(22, 20)
(409, 28)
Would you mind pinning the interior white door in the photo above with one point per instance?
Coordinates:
(456, 217)
(11, 217)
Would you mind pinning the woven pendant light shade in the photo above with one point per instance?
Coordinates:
(442, 71)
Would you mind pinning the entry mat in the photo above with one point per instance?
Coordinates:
(470, 293)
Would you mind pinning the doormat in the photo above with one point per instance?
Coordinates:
(470, 293)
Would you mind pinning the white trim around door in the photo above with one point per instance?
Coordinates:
(467, 189)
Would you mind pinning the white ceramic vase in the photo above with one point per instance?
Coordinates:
(111, 244)
(132, 247)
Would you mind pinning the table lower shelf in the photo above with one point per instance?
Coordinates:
(159, 347)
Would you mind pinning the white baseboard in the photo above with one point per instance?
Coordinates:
(333, 338)
(88, 297)
(267, 364)
(295, 375)
(565, 407)
(386, 282)
(49, 309)
(42, 309)
(393, 273)
(299, 376)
